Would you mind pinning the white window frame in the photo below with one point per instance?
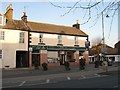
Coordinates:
(1, 54)
(59, 39)
(2, 35)
(41, 37)
(22, 37)
(76, 40)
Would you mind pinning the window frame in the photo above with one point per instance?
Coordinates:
(2, 35)
(40, 37)
(76, 40)
(22, 37)
(1, 54)
(59, 39)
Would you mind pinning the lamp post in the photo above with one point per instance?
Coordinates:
(103, 29)
(103, 34)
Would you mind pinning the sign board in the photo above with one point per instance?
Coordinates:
(87, 44)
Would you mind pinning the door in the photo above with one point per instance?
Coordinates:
(21, 59)
(36, 59)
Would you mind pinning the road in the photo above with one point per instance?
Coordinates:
(100, 80)
(59, 78)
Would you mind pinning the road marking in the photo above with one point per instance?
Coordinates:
(83, 76)
(48, 81)
(97, 75)
(22, 83)
(68, 78)
(9, 86)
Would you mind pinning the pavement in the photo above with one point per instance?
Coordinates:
(56, 73)
(54, 68)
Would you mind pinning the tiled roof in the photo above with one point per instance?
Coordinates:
(43, 28)
(110, 50)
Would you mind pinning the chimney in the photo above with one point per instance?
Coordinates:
(9, 13)
(24, 17)
(77, 25)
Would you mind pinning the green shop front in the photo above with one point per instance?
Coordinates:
(40, 55)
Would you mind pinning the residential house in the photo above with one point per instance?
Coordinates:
(104, 50)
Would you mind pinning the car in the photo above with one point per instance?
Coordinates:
(51, 60)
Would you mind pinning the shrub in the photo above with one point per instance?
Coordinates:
(45, 66)
(36, 65)
(67, 66)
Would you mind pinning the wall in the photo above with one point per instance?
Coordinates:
(10, 45)
(52, 40)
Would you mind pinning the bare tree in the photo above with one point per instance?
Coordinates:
(97, 6)
(96, 41)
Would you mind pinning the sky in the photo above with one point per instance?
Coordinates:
(44, 12)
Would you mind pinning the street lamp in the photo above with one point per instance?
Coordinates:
(104, 46)
(103, 29)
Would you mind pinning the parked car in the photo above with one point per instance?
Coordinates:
(51, 60)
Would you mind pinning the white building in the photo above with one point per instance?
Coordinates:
(47, 41)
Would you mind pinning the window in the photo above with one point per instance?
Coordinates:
(76, 40)
(0, 54)
(2, 35)
(41, 38)
(59, 39)
(21, 38)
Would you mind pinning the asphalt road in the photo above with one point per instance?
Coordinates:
(100, 80)
(31, 72)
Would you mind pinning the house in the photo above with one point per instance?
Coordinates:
(107, 51)
(117, 46)
(24, 42)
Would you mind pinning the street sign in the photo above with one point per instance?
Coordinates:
(87, 44)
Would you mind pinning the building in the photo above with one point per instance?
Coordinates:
(24, 42)
(108, 52)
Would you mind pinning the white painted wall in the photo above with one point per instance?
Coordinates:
(10, 45)
(52, 40)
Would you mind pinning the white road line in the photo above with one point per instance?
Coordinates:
(68, 78)
(9, 86)
(83, 76)
(98, 75)
(48, 81)
(22, 83)
(35, 84)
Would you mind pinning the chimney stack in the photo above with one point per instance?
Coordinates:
(77, 25)
(9, 13)
(24, 17)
